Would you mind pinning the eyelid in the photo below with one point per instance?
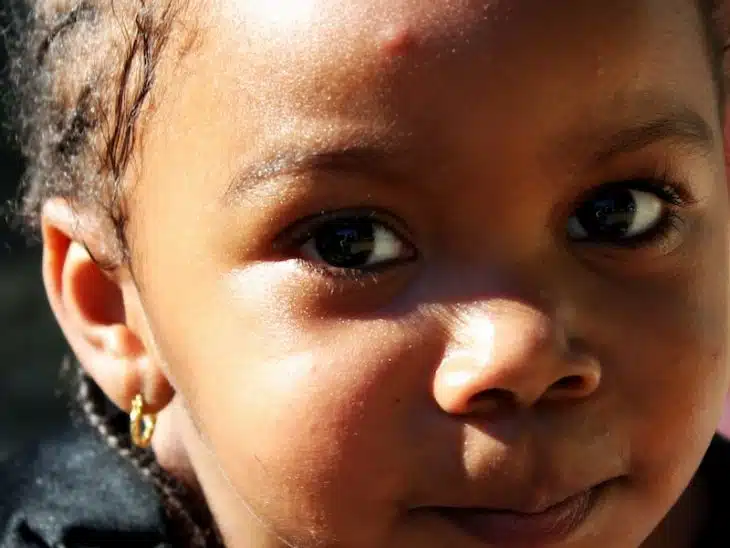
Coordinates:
(662, 240)
(671, 193)
(303, 229)
(674, 196)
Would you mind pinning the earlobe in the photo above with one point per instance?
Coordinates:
(91, 305)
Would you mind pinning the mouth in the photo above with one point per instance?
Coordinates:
(512, 528)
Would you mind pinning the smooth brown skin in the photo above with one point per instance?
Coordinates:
(506, 364)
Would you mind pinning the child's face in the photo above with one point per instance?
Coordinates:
(360, 245)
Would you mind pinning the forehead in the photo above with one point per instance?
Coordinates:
(446, 77)
(342, 33)
(310, 24)
(305, 57)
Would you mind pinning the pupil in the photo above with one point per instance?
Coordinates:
(608, 216)
(345, 244)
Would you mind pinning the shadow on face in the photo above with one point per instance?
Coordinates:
(433, 254)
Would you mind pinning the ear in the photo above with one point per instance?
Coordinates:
(99, 309)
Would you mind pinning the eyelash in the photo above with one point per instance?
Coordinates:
(674, 196)
(294, 237)
(656, 237)
(670, 192)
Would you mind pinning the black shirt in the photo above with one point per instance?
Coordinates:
(74, 491)
(715, 468)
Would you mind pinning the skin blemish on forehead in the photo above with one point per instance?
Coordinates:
(398, 41)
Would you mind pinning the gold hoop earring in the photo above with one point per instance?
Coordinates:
(141, 424)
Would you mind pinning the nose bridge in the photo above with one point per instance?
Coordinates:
(506, 343)
(519, 329)
(512, 351)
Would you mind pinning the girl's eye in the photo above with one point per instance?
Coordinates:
(618, 215)
(355, 243)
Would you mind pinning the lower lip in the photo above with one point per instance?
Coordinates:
(508, 529)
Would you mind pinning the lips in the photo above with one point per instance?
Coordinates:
(511, 528)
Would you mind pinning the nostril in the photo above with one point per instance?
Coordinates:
(494, 398)
(570, 383)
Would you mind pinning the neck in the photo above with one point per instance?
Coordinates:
(182, 452)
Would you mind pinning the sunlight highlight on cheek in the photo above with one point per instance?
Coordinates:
(261, 284)
(254, 277)
(269, 390)
(288, 374)
(285, 360)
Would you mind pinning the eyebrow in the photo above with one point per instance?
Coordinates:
(681, 126)
(371, 160)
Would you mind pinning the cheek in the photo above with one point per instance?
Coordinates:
(671, 378)
(668, 366)
(306, 416)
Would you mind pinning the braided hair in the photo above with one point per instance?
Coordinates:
(191, 523)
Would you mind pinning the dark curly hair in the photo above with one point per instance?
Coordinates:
(190, 522)
(83, 71)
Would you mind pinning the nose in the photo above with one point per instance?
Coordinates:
(515, 355)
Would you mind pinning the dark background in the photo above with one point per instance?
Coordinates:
(31, 346)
